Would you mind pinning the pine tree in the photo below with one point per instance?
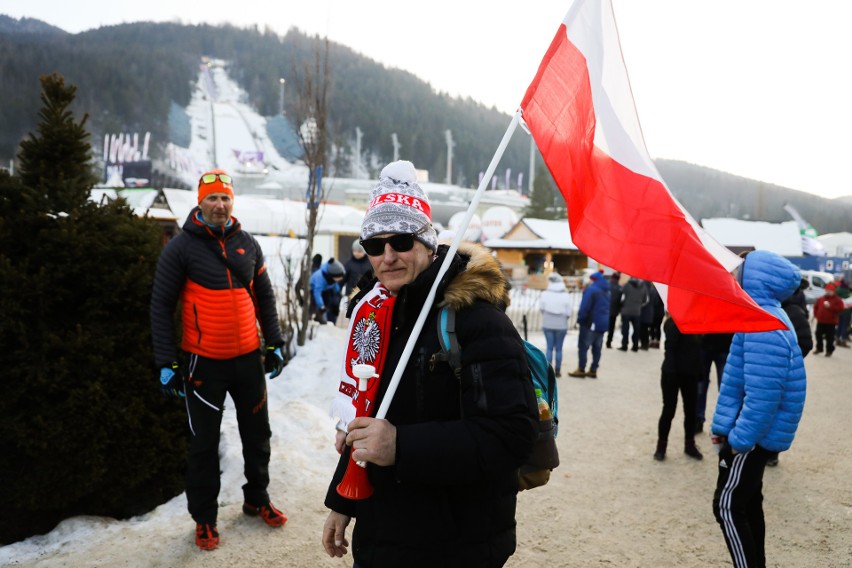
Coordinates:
(83, 426)
(57, 161)
(545, 202)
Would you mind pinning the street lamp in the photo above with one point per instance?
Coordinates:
(281, 81)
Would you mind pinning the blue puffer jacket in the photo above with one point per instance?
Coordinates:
(594, 307)
(763, 386)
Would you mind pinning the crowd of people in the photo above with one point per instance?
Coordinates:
(749, 431)
(441, 455)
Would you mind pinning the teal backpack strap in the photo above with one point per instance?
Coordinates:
(448, 339)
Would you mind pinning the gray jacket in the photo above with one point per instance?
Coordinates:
(634, 295)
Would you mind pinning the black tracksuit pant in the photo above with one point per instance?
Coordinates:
(825, 332)
(671, 384)
(208, 381)
(738, 505)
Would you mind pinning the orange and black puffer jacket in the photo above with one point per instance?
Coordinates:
(218, 314)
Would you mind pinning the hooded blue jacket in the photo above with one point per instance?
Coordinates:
(763, 386)
(594, 307)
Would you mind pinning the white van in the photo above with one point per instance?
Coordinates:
(816, 284)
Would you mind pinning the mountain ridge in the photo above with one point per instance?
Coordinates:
(114, 68)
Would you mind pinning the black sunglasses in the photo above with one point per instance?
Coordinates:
(400, 243)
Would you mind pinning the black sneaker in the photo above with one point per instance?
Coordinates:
(693, 452)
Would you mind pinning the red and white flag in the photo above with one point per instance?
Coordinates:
(580, 111)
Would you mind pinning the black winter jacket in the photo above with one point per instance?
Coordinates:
(682, 354)
(449, 500)
(797, 311)
(218, 314)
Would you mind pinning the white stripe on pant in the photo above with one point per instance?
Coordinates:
(730, 529)
(738, 505)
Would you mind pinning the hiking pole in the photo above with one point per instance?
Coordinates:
(445, 265)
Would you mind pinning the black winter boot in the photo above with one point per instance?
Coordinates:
(692, 450)
(660, 454)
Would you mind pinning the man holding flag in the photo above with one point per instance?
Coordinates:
(443, 464)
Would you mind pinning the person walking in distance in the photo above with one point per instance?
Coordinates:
(634, 296)
(593, 319)
(443, 462)
(555, 306)
(680, 373)
(357, 265)
(659, 311)
(827, 311)
(614, 305)
(216, 271)
(758, 410)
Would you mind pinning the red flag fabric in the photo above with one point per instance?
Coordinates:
(580, 111)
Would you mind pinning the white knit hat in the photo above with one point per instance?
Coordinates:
(398, 205)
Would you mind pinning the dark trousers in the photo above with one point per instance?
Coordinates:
(671, 384)
(738, 505)
(612, 317)
(587, 339)
(208, 381)
(656, 331)
(626, 322)
(708, 359)
(825, 332)
(843, 325)
(644, 335)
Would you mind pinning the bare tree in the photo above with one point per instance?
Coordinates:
(312, 117)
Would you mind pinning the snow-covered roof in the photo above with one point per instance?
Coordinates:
(536, 234)
(781, 238)
(140, 200)
(836, 244)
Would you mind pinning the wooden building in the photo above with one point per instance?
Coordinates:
(534, 248)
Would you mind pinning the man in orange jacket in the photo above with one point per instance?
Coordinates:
(827, 313)
(217, 272)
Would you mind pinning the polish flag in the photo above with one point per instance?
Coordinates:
(580, 111)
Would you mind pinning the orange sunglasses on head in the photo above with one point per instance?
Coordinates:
(210, 178)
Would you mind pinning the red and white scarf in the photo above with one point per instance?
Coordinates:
(369, 335)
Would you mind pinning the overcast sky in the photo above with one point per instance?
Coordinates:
(758, 88)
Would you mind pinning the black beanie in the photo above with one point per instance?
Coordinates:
(334, 268)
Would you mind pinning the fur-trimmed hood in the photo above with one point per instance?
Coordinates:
(481, 279)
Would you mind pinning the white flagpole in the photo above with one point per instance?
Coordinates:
(445, 265)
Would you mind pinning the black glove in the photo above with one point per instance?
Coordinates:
(273, 361)
(171, 381)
